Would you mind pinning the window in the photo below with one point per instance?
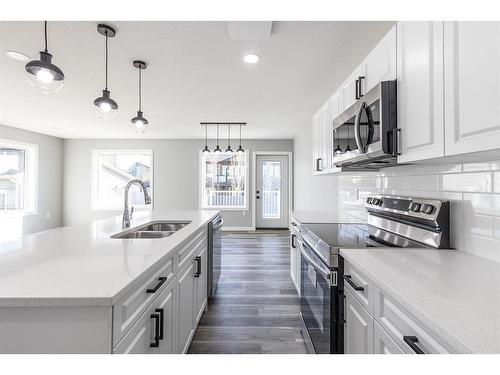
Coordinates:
(224, 180)
(112, 170)
(18, 177)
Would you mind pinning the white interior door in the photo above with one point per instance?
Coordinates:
(271, 191)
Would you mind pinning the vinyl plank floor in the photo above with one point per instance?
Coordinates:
(256, 307)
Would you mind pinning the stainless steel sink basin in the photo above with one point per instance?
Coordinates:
(155, 229)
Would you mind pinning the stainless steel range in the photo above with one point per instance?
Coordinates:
(392, 222)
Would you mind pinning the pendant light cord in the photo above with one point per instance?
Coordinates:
(217, 135)
(240, 135)
(206, 135)
(45, 31)
(106, 58)
(140, 89)
(229, 137)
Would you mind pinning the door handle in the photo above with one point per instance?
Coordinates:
(157, 286)
(293, 241)
(357, 90)
(198, 266)
(412, 341)
(162, 319)
(360, 91)
(156, 342)
(351, 283)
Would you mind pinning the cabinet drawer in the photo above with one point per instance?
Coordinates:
(189, 249)
(382, 342)
(354, 279)
(358, 327)
(131, 306)
(139, 338)
(399, 323)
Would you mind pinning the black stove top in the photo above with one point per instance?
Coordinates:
(338, 235)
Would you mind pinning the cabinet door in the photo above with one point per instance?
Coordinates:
(293, 258)
(201, 280)
(358, 332)
(324, 131)
(472, 86)
(420, 90)
(166, 302)
(316, 123)
(185, 306)
(382, 342)
(348, 88)
(380, 64)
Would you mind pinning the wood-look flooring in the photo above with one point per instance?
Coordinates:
(256, 307)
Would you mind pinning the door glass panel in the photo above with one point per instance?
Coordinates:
(271, 189)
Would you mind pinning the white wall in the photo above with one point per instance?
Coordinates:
(49, 179)
(314, 193)
(472, 188)
(176, 175)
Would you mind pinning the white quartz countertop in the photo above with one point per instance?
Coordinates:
(81, 265)
(455, 294)
(313, 217)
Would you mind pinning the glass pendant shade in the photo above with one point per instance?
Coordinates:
(139, 122)
(105, 107)
(42, 74)
(338, 150)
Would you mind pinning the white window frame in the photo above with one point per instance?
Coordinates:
(30, 204)
(202, 187)
(95, 177)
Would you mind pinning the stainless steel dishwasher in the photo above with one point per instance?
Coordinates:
(214, 253)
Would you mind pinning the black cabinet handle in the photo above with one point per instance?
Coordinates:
(357, 89)
(156, 343)
(198, 266)
(396, 142)
(351, 283)
(412, 343)
(293, 241)
(161, 281)
(360, 91)
(162, 317)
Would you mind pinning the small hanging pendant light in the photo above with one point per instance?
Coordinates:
(229, 150)
(206, 149)
(139, 121)
(42, 74)
(337, 150)
(217, 149)
(106, 107)
(240, 149)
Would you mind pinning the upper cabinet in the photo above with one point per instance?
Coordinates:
(351, 88)
(420, 90)
(380, 64)
(322, 123)
(471, 83)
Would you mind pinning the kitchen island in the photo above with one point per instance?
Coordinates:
(77, 290)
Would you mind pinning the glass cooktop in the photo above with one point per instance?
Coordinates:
(338, 235)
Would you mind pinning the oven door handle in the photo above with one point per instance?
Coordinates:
(357, 128)
(316, 266)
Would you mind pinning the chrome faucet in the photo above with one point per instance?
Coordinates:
(147, 199)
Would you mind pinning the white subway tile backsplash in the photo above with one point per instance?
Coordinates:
(472, 188)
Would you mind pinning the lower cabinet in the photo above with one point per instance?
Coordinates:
(358, 327)
(153, 332)
(382, 342)
(192, 297)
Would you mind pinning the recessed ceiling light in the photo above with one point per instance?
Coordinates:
(17, 55)
(251, 58)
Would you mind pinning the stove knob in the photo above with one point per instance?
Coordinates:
(427, 209)
(376, 201)
(369, 200)
(415, 207)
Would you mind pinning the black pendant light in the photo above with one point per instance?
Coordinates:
(337, 150)
(217, 149)
(240, 149)
(139, 121)
(206, 149)
(42, 74)
(106, 107)
(229, 150)
(348, 148)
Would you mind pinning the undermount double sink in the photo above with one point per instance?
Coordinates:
(154, 229)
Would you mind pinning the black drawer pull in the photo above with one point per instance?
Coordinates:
(351, 283)
(156, 343)
(412, 343)
(293, 241)
(198, 266)
(161, 281)
(162, 317)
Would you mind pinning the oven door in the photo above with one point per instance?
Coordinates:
(316, 301)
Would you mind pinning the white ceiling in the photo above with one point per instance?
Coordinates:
(195, 74)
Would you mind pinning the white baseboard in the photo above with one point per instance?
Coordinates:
(237, 229)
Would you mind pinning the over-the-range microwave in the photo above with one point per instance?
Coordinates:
(366, 136)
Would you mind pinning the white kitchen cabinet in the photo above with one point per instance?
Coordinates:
(322, 125)
(201, 283)
(471, 86)
(420, 90)
(380, 64)
(295, 248)
(153, 332)
(185, 306)
(358, 327)
(348, 91)
(316, 141)
(382, 342)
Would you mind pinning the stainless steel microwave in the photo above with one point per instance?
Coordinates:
(366, 136)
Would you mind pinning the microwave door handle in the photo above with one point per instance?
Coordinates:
(357, 128)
